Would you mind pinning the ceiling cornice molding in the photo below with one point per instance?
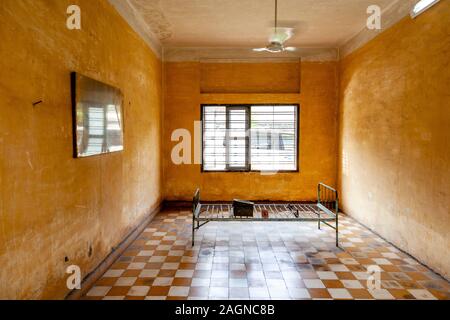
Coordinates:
(137, 23)
(173, 54)
(390, 16)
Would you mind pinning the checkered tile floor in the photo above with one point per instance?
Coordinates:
(262, 260)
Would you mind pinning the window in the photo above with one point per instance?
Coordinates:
(422, 6)
(250, 138)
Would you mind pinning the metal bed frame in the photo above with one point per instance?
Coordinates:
(325, 211)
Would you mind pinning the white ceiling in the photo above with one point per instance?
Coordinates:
(246, 23)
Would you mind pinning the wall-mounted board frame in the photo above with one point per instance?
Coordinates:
(97, 117)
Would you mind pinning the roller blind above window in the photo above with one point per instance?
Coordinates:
(250, 137)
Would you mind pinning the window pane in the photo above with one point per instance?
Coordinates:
(214, 128)
(237, 154)
(237, 124)
(273, 138)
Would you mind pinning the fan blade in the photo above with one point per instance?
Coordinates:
(290, 49)
(281, 35)
(260, 49)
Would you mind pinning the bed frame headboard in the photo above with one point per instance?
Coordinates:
(327, 198)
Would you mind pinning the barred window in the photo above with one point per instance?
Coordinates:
(250, 137)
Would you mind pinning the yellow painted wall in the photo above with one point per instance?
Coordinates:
(245, 77)
(394, 154)
(52, 205)
(318, 134)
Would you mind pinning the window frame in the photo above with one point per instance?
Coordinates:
(248, 139)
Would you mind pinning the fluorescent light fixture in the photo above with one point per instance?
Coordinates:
(422, 6)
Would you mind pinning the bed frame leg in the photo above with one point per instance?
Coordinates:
(337, 238)
(193, 228)
(337, 228)
(318, 201)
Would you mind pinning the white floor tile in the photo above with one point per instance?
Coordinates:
(352, 284)
(113, 273)
(314, 284)
(179, 291)
(299, 293)
(381, 294)
(125, 281)
(422, 294)
(98, 291)
(147, 273)
(340, 294)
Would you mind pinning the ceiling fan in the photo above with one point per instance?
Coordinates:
(278, 37)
